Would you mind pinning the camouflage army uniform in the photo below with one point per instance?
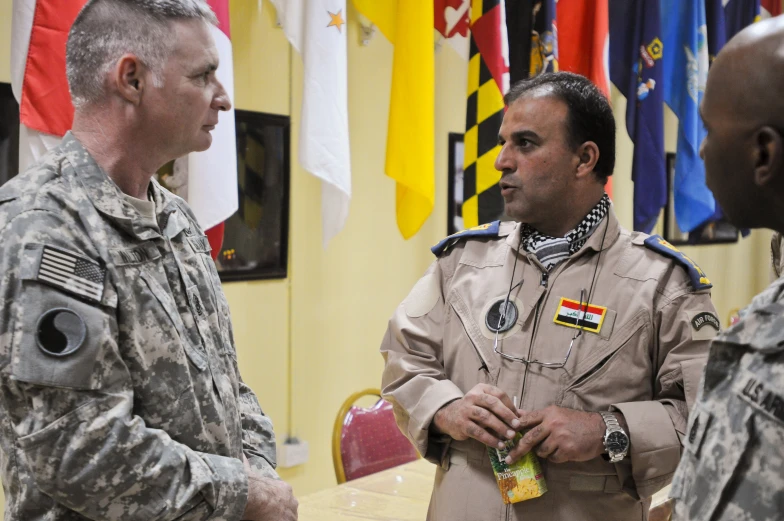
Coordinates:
(121, 397)
(732, 467)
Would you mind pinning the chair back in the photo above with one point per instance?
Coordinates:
(367, 440)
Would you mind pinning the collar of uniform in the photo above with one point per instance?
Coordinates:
(105, 195)
(593, 242)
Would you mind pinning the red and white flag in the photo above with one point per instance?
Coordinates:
(39, 33)
(584, 40)
(38, 74)
(770, 8)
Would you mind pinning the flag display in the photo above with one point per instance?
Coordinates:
(770, 8)
(636, 70)
(739, 14)
(317, 30)
(684, 31)
(544, 38)
(584, 40)
(410, 158)
(39, 31)
(488, 81)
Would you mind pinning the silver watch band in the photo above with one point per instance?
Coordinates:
(611, 421)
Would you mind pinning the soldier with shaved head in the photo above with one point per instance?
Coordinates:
(733, 463)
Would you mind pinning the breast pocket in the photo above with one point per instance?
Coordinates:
(603, 369)
(469, 357)
(202, 268)
(714, 446)
(151, 315)
(189, 342)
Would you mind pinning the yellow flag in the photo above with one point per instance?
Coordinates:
(410, 161)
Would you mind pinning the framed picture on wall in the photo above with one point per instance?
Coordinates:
(255, 241)
(9, 134)
(255, 238)
(455, 183)
(714, 233)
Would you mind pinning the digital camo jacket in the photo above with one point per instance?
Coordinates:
(121, 396)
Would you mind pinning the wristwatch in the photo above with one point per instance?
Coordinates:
(616, 441)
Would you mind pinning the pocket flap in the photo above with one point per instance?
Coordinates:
(482, 346)
(170, 307)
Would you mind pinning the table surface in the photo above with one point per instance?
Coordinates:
(398, 494)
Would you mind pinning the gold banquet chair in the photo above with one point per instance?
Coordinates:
(367, 440)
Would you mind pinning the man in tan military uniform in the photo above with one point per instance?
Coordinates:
(541, 326)
(733, 464)
(121, 396)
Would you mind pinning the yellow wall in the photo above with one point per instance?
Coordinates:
(307, 342)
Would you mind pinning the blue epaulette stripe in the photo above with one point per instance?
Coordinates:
(485, 230)
(698, 278)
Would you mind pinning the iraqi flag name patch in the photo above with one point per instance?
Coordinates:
(589, 317)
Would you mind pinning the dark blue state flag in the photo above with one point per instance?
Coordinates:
(739, 14)
(636, 70)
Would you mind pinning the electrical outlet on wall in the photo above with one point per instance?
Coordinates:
(292, 452)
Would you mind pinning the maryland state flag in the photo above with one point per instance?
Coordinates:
(488, 80)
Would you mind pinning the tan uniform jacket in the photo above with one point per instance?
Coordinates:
(646, 361)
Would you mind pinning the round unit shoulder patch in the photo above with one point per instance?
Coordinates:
(60, 332)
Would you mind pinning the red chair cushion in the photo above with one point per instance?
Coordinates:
(370, 441)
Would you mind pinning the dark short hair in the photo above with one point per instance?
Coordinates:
(590, 115)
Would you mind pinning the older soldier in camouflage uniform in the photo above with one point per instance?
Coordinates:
(121, 397)
(733, 463)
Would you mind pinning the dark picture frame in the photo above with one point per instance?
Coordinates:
(455, 184)
(719, 232)
(9, 134)
(255, 240)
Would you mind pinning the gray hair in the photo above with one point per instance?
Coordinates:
(104, 30)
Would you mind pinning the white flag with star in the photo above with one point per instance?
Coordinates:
(317, 30)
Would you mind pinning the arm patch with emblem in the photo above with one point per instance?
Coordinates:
(484, 230)
(72, 273)
(698, 278)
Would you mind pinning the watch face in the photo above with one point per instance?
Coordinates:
(616, 442)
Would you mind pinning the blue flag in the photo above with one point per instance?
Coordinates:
(717, 27)
(685, 35)
(720, 30)
(739, 14)
(636, 70)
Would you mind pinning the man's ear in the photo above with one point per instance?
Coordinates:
(129, 79)
(588, 156)
(767, 157)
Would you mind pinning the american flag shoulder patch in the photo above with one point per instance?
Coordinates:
(71, 272)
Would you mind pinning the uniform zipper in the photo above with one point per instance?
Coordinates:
(543, 281)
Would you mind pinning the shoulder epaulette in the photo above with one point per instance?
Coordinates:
(483, 230)
(698, 278)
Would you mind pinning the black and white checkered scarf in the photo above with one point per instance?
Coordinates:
(552, 250)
